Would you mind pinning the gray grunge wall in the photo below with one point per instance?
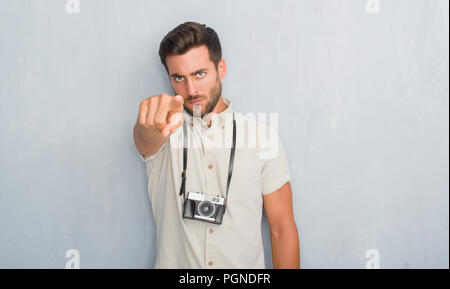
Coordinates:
(360, 88)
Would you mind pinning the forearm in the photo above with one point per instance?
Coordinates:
(285, 249)
(148, 144)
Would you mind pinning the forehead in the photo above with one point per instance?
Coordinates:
(194, 59)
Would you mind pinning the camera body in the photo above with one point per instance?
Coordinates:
(206, 208)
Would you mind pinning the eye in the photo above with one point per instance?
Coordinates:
(177, 78)
(201, 72)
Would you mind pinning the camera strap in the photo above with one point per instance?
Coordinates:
(185, 153)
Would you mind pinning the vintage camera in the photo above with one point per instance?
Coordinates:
(201, 207)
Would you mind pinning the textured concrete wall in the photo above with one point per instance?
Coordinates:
(360, 88)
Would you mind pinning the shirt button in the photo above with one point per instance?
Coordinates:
(210, 166)
(211, 230)
(223, 127)
(210, 263)
(211, 137)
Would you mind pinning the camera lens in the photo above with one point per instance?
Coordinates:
(206, 208)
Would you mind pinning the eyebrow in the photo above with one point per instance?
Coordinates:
(194, 73)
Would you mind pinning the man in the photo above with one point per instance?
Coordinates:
(191, 54)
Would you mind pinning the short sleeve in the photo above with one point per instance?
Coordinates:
(275, 171)
(156, 166)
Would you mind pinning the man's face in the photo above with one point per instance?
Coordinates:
(194, 77)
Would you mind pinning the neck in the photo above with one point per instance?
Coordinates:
(220, 107)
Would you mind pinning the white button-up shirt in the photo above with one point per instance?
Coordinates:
(257, 171)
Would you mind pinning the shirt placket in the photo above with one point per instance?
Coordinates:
(212, 175)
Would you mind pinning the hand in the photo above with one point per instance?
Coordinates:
(159, 116)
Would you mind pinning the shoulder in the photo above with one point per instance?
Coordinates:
(259, 128)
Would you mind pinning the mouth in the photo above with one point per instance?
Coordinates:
(196, 101)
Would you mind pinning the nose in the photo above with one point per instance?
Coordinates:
(191, 89)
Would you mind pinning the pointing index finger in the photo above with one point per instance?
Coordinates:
(177, 103)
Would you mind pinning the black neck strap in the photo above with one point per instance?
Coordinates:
(185, 152)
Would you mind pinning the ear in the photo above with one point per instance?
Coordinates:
(222, 68)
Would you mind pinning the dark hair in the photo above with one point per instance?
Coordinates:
(189, 35)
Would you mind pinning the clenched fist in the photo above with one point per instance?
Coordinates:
(159, 116)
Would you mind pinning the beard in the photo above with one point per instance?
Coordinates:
(215, 92)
